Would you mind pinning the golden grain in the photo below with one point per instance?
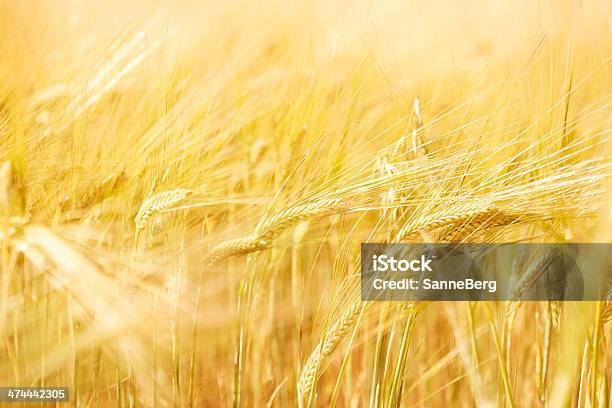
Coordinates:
(158, 203)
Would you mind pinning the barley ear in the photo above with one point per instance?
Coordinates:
(158, 203)
(532, 274)
(606, 311)
(236, 247)
(333, 338)
(273, 226)
(463, 222)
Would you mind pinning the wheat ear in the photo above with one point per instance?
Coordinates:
(528, 280)
(531, 275)
(465, 222)
(333, 338)
(606, 310)
(555, 314)
(157, 203)
(236, 247)
(606, 313)
(273, 226)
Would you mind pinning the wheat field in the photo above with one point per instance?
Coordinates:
(184, 188)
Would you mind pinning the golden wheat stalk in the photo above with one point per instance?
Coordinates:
(606, 310)
(464, 223)
(491, 218)
(298, 213)
(606, 313)
(237, 247)
(273, 226)
(333, 338)
(555, 314)
(158, 203)
(533, 273)
(527, 281)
